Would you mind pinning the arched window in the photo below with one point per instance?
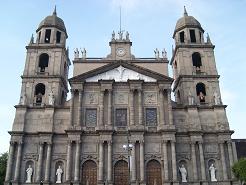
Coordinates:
(201, 92)
(43, 62)
(39, 92)
(178, 99)
(196, 60)
(153, 172)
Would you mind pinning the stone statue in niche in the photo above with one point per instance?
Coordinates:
(183, 173)
(59, 174)
(51, 98)
(216, 98)
(212, 170)
(190, 99)
(29, 172)
(201, 97)
(39, 98)
(23, 99)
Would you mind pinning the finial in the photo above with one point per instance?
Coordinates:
(31, 40)
(185, 12)
(54, 12)
(208, 39)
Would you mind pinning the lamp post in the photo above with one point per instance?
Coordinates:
(128, 147)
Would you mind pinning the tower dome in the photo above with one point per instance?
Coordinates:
(53, 21)
(187, 21)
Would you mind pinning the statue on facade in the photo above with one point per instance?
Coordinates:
(216, 98)
(183, 172)
(212, 170)
(76, 53)
(190, 99)
(127, 36)
(83, 53)
(29, 171)
(164, 53)
(51, 98)
(113, 36)
(201, 97)
(59, 174)
(39, 98)
(23, 99)
(157, 54)
(120, 35)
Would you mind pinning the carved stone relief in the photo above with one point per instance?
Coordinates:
(121, 98)
(150, 98)
(91, 98)
(153, 148)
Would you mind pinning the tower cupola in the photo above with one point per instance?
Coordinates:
(52, 30)
(188, 30)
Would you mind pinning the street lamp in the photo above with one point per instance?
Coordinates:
(128, 147)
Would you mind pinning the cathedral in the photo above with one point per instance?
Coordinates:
(120, 126)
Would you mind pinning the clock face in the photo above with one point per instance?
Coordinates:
(120, 52)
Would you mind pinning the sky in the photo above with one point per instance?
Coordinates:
(151, 23)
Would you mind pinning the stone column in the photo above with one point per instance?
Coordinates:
(165, 162)
(10, 161)
(170, 114)
(223, 161)
(133, 164)
(131, 106)
(18, 162)
(174, 166)
(140, 112)
(109, 107)
(142, 161)
(161, 102)
(109, 161)
(68, 167)
(100, 165)
(193, 156)
(230, 156)
(77, 161)
(202, 162)
(47, 165)
(40, 162)
(101, 109)
(71, 107)
(79, 107)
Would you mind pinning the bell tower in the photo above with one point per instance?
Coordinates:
(193, 64)
(44, 80)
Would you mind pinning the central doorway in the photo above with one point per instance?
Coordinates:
(121, 174)
(89, 173)
(153, 172)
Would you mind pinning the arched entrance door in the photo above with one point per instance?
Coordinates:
(121, 173)
(89, 173)
(153, 173)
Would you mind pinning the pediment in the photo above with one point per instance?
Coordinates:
(120, 74)
(120, 71)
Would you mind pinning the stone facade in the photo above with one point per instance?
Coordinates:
(118, 100)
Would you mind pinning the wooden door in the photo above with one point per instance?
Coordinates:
(89, 173)
(121, 173)
(153, 173)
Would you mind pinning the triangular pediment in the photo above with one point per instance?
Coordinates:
(120, 71)
(120, 74)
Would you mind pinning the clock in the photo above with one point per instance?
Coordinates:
(120, 52)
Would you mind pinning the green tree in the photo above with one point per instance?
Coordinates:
(3, 166)
(239, 170)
